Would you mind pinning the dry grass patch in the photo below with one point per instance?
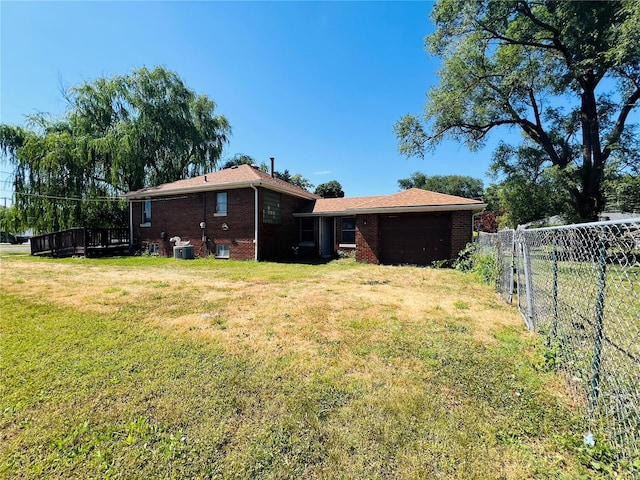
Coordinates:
(228, 369)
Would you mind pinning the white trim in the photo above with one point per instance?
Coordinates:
(347, 245)
(255, 221)
(404, 209)
(147, 224)
(418, 209)
(227, 248)
(220, 214)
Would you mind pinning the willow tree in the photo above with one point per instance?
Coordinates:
(565, 74)
(118, 134)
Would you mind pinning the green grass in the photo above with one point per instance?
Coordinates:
(367, 387)
(573, 342)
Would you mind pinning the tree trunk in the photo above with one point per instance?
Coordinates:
(590, 200)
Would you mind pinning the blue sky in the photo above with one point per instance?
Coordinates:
(317, 85)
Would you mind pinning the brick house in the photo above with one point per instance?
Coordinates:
(243, 213)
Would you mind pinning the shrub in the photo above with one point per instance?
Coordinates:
(480, 261)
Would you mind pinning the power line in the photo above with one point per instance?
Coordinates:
(97, 199)
(72, 199)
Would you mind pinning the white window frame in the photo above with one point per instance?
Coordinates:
(146, 213)
(222, 251)
(307, 243)
(342, 230)
(218, 212)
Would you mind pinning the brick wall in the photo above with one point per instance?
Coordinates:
(182, 216)
(277, 241)
(461, 233)
(367, 239)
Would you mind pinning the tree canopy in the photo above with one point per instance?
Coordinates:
(565, 74)
(296, 179)
(240, 159)
(460, 185)
(118, 134)
(330, 189)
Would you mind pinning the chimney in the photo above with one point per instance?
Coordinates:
(205, 179)
(272, 164)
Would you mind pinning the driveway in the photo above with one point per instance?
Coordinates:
(7, 248)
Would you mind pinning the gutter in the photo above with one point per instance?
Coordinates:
(418, 209)
(152, 192)
(425, 208)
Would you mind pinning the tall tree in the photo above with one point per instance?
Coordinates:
(527, 191)
(241, 159)
(118, 134)
(460, 185)
(295, 179)
(566, 74)
(330, 189)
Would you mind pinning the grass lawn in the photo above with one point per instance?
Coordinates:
(156, 368)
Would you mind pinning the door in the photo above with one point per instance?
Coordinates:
(415, 239)
(326, 237)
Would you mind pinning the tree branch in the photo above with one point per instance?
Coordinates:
(513, 41)
(618, 128)
(523, 7)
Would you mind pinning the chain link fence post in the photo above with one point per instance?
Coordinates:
(599, 322)
(578, 286)
(554, 293)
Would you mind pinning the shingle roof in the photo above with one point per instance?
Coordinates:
(235, 177)
(414, 199)
(335, 205)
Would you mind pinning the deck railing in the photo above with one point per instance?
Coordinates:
(80, 241)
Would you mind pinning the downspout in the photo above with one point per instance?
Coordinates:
(130, 225)
(255, 221)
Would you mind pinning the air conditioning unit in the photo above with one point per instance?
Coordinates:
(184, 252)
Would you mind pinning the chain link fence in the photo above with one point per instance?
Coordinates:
(579, 287)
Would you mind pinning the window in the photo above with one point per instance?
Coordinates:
(271, 212)
(221, 204)
(146, 213)
(348, 231)
(307, 231)
(222, 251)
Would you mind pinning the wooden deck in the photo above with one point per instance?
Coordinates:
(81, 241)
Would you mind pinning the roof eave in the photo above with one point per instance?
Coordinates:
(140, 195)
(321, 214)
(403, 209)
(418, 209)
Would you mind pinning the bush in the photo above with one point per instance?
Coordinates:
(481, 262)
